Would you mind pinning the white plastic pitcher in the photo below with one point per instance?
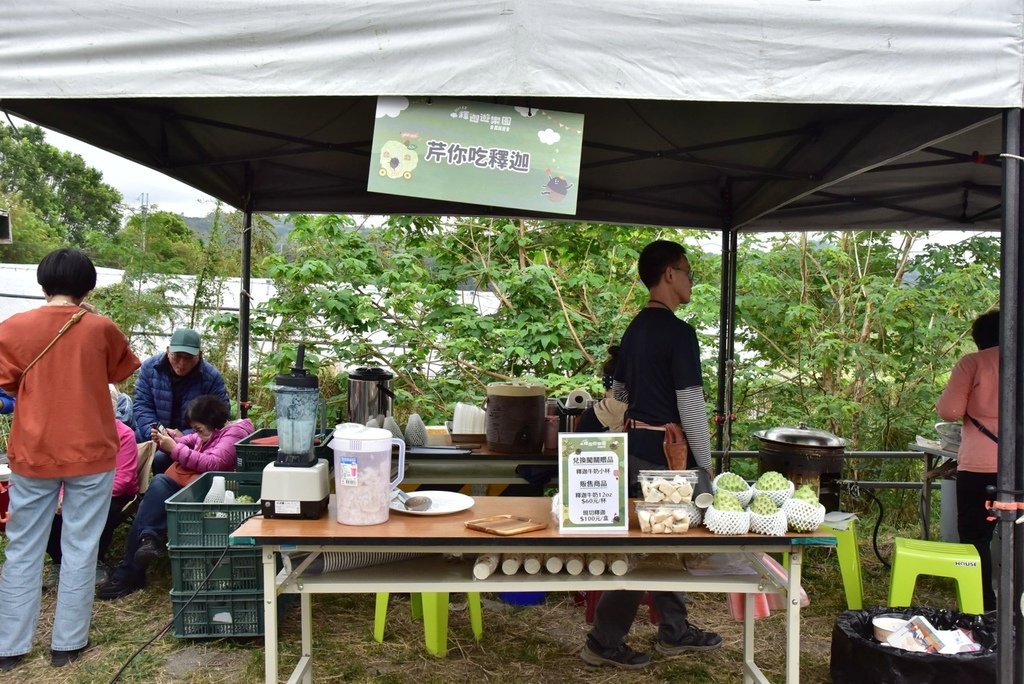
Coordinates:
(362, 473)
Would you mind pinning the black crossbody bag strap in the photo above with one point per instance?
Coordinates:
(984, 430)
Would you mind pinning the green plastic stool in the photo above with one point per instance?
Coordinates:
(849, 563)
(913, 557)
(432, 607)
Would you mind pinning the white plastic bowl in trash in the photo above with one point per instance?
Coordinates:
(884, 625)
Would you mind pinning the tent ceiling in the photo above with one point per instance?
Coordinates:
(694, 164)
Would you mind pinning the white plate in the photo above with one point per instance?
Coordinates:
(441, 503)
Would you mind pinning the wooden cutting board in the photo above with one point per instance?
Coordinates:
(505, 525)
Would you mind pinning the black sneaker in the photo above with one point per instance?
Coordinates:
(694, 640)
(150, 549)
(62, 658)
(116, 588)
(8, 663)
(622, 657)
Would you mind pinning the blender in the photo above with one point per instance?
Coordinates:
(297, 484)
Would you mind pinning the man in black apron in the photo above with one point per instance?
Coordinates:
(658, 376)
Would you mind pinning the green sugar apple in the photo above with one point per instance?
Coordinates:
(763, 505)
(772, 481)
(727, 501)
(731, 482)
(806, 493)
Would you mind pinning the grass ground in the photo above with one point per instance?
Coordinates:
(535, 644)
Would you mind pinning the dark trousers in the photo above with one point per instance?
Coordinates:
(150, 519)
(972, 526)
(616, 610)
(161, 462)
(114, 518)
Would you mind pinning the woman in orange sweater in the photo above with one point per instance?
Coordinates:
(57, 360)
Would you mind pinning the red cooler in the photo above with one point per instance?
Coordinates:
(5, 499)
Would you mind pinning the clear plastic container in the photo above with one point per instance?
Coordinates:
(667, 486)
(663, 518)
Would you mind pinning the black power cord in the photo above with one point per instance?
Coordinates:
(163, 630)
(878, 523)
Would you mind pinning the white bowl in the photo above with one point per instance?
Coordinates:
(884, 625)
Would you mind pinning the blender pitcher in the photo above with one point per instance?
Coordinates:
(362, 473)
(297, 399)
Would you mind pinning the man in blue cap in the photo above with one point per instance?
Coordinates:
(167, 382)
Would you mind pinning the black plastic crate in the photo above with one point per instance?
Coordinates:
(218, 614)
(239, 570)
(251, 457)
(192, 523)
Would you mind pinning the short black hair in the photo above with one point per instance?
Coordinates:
(209, 410)
(68, 272)
(655, 258)
(985, 329)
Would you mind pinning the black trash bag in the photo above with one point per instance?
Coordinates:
(857, 658)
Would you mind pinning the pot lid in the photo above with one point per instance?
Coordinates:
(516, 388)
(373, 374)
(801, 435)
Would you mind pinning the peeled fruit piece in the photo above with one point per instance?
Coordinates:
(763, 505)
(731, 482)
(771, 481)
(806, 493)
(727, 501)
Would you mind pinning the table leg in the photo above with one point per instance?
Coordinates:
(926, 495)
(748, 637)
(306, 604)
(793, 617)
(270, 655)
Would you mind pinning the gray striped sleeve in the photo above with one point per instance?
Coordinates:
(693, 415)
(620, 392)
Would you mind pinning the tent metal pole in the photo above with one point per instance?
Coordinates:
(1011, 423)
(727, 304)
(243, 315)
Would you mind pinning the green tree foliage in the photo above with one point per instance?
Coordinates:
(33, 238)
(451, 305)
(65, 193)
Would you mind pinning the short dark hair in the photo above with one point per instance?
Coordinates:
(209, 410)
(68, 272)
(655, 258)
(985, 329)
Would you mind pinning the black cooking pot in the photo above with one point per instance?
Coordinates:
(805, 456)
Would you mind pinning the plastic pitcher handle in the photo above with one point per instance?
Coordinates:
(401, 460)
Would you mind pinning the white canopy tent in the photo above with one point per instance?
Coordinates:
(729, 115)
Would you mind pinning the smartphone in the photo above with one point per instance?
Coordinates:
(161, 429)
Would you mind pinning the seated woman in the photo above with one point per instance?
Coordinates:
(210, 447)
(126, 486)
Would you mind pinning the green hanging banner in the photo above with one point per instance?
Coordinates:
(477, 153)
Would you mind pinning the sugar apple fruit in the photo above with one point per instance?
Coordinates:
(763, 505)
(772, 481)
(806, 493)
(731, 482)
(727, 501)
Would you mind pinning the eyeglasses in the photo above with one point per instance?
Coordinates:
(687, 271)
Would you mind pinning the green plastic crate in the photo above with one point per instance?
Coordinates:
(192, 523)
(239, 570)
(218, 614)
(254, 457)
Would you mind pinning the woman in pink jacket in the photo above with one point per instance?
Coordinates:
(210, 447)
(972, 395)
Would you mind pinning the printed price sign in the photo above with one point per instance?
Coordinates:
(592, 482)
